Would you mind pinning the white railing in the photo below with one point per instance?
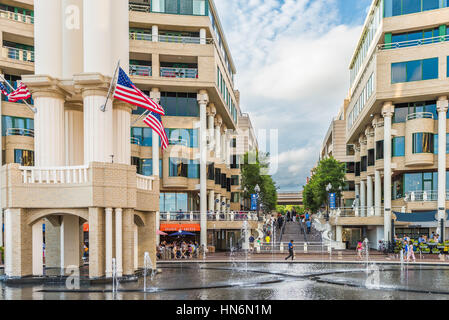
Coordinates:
(420, 115)
(179, 39)
(18, 54)
(54, 175)
(139, 7)
(16, 16)
(413, 43)
(144, 182)
(178, 142)
(140, 36)
(145, 71)
(179, 73)
(211, 216)
(20, 132)
(423, 196)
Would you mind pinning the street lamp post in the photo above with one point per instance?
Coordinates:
(328, 189)
(257, 190)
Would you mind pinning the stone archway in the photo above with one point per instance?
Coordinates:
(63, 238)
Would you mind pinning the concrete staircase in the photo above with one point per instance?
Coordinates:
(292, 232)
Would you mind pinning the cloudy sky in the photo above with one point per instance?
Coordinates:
(292, 59)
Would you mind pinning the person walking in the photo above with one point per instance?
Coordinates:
(251, 243)
(291, 251)
(309, 226)
(359, 249)
(411, 253)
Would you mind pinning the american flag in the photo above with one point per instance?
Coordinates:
(3, 89)
(154, 121)
(21, 93)
(128, 92)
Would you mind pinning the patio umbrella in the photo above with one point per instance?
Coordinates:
(160, 233)
(181, 233)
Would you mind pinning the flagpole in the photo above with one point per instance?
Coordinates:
(103, 107)
(140, 117)
(12, 88)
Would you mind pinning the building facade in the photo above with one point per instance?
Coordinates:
(396, 121)
(74, 167)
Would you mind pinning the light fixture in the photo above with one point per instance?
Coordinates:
(257, 188)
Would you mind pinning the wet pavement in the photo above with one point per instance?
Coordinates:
(260, 281)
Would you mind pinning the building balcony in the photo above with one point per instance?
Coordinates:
(413, 43)
(196, 216)
(102, 185)
(18, 54)
(180, 73)
(139, 7)
(143, 71)
(423, 196)
(20, 132)
(16, 17)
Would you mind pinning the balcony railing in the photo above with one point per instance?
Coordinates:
(144, 71)
(420, 115)
(178, 142)
(179, 73)
(16, 16)
(145, 183)
(135, 141)
(139, 7)
(20, 132)
(413, 43)
(54, 175)
(211, 216)
(140, 36)
(180, 39)
(18, 54)
(423, 196)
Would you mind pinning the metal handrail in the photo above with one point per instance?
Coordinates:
(135, 141)
(136, 70)
(16, 16)
(420, 115)
(20, 132)
(413, 43)
(423, 196)
(14, 53)
(178, 142)
(139, 7)
(189, 73)
(140, 36)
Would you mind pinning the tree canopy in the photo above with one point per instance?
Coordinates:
(328, 171)
(253, 173)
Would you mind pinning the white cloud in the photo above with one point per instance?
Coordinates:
(292, 60)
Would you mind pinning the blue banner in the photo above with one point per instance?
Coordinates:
(332, 200)
(253, 202)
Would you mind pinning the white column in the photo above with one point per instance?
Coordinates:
(369, 193)
(119, 241)
(363, 198)
(74, 136)
(218, 202)
(119, 32)
(228, 205)
(387, 112)
(38, 240)
(378, 193)
(203, 100)
(442, 106)
(212, 201)
(218, 138)
(108, 241)
(158, 227)
(339, 233)
(136, 247)
(48, 28)
(72, 38)
(49, 132)
(202, 36)
(155, 33)
(155, 95)
(223, 143)
(9, 236)
(98, 128)
(210, 119)
(122, 133)
(70, 240)
(357, 199)
(223, 204)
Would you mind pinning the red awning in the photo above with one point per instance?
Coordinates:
(86, 227)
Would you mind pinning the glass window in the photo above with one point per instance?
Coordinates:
(350, 167)
(397, 7)
(177, 167)
(147, 167)
(398, 146)
(235, 180)
(364, 164)
(24, 157)
(413, 182)
(193, 169)
(436, 144)
(379, 150)
(430, 4)
(400, 114)
(357, 169)
(371, 157)
(411, 6)
(147, 140)
(423, 143)
(398, 72)
(186, 7)
(414, 70)
(430, 69)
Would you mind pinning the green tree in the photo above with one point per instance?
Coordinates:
(329, 171)
(253, 168)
